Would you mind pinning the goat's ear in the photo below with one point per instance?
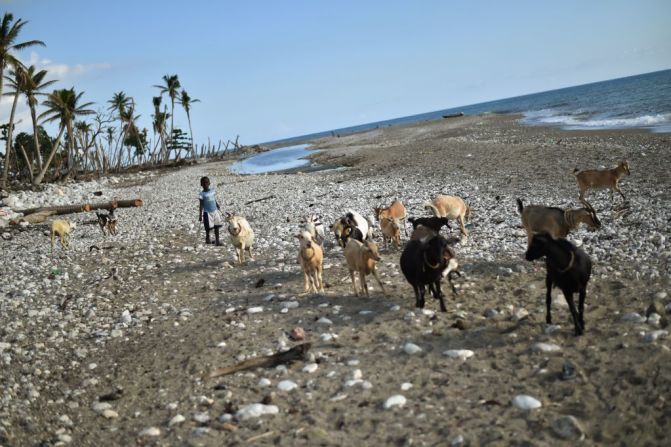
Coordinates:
(228, 215)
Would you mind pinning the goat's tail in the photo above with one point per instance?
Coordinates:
(432, 207)
(467, 214)
(520, 207)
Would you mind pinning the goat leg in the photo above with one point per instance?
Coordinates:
(449, 280)
(548, 299)
(351, 274)
(581, 307)
(419, 296)
(440, 296)
(364, 284)
(574, 313)
(378, 281)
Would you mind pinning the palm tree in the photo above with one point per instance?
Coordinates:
(9, 32)
(171, 87)
(31, 86)
(131, 130)
(185, 100)
(62, 105)
(158, 125)
(119, 103)
(15, 80)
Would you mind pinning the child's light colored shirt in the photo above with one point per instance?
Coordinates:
(209, 199)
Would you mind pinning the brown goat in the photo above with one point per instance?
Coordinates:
(391, 231)
(452, 207)
(394, 211)
(556, 221)
(361, 257)
(310, 257)
(608, 178)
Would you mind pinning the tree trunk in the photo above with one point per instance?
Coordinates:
(8, 149)
(38, 155)
(43, 172)
(29, 165)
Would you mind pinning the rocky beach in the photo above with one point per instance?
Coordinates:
(113, 346)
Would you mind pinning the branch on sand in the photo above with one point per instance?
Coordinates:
(272, 196)
(268, 361)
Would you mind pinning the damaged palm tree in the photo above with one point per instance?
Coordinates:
(86, 207)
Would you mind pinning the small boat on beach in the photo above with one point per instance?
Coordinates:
(454, 115)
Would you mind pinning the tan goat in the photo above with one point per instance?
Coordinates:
(242, 236)
(608, 178)
(361, 257)
(391, 231)
(311, 257)
(61, 228)
(452, 207)
(394, 211)
(556, 221)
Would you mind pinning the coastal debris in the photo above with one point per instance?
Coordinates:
(38, 217)
(86, 207)
(453, 115)
(268, 361)
(272, 196)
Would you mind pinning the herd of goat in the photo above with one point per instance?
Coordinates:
(428, 257)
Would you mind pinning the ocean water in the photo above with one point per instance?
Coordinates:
(641, 101)
(272, 161)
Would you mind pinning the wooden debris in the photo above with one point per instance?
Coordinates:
(70, 209)
(272, 196)
(268, 361)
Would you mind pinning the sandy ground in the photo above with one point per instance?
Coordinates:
(190, 308)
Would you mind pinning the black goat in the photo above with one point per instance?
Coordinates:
(423, 263)
(434, 223)
(568, 268)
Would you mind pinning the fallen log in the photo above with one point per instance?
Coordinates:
(70, 209)
(268, 361)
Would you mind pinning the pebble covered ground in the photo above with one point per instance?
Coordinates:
(112, 346)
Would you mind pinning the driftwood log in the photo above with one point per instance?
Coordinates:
(70, 209)
(268, 361)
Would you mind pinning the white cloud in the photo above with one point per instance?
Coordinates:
(64, 71)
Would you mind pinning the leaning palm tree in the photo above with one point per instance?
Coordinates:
(119, 103)
(62, 105)
(171, 87)
(32, 86)
(15, 80)
(131, 130)
(185, 100)
(9, 32)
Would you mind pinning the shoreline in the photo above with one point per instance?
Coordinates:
(158, 310)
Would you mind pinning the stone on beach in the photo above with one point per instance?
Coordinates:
(396, 400)
(525, 402)
(255, 411)
(461, 354)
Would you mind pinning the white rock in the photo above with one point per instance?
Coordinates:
(150, 432)
(396, 400)
(99, 407)
(201, 417)
(324, 320)
(263, 382)
(109, 414)
(406, 386)
(255, 411)
(633, 317)
(255, 310)
(177, 419)
(654, 319)
(411, 348)
(289, 304)
(310, 368)
(545, 347)
(116, 333)
(650, 337)
(520, 313)
(126, 318)
(287, 385)
(356, 375)
(461, 354)
(457, 441)
(660, 295)
(524, 402)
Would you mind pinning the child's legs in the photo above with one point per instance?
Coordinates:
(206, 224)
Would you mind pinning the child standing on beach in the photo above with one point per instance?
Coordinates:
(208, 212)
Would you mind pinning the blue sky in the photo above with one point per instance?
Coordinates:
(268, 70)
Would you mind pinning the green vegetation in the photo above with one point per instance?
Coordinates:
(88, 141)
